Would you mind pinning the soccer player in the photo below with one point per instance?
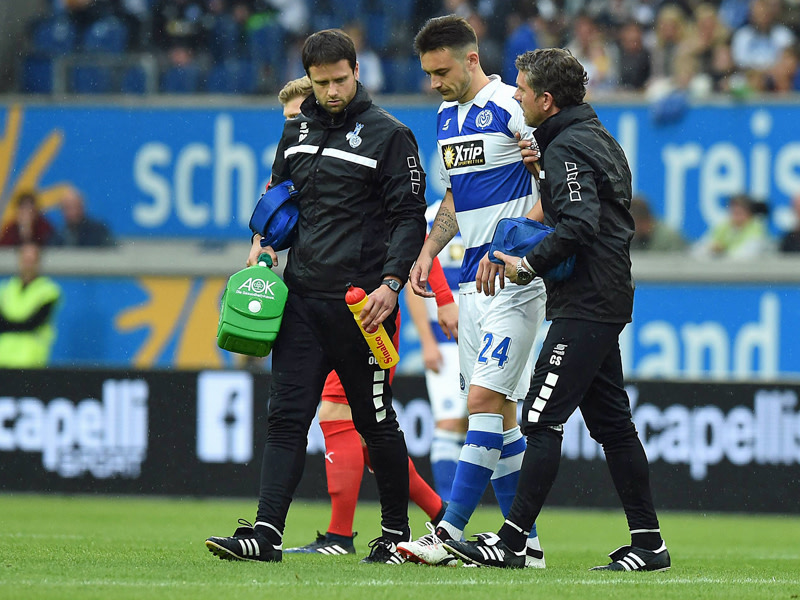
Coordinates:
(486, 180)
(586, 196)
(345, 452)
(361, 201)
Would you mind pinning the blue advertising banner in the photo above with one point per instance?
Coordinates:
(197, 172)
(679, 330)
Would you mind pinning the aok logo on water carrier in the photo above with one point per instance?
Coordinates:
(257, 287)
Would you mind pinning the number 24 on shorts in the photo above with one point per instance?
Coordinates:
(499, 353)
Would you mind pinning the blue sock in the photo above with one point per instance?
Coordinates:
(476, 464)
(445, 450)
(506, 474)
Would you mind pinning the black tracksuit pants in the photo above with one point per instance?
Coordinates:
(317, 336)
(580, 367)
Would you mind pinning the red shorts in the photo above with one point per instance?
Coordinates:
(333, 390)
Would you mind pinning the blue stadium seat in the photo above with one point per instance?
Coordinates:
(378, 31)
(37, 74)
(54, 36)
(134, 81)
(265, 45)
(226, 39)
(109, 35)
(345, 11)
(233, 77)
(92, 79)
(403, 75)
(181, 80)
(399, 10)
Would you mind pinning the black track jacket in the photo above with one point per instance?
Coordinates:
(586, 195)
(361, 197)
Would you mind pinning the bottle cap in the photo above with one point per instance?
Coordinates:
(264, 260)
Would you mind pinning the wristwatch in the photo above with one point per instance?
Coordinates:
(393, 285)
(524, 277)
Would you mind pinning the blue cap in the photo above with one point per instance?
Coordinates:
(517, 236)
(275, 216)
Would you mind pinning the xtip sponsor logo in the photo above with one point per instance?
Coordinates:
(463, 154)
(105, 438)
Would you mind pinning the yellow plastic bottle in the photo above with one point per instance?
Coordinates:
(379, 341)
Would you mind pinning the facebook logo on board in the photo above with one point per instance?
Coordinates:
(224, 417)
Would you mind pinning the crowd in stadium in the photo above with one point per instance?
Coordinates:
(655, 47)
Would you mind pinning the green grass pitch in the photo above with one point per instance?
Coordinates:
(87, 547)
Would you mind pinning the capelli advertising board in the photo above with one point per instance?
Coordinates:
(712, 446)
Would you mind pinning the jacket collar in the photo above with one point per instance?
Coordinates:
(560, 121)
(360, 102)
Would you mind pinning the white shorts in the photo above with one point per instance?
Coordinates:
(446, 400)
(496, 334)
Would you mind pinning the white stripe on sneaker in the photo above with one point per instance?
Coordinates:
(636, 558)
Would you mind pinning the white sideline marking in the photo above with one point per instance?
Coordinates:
(654, 578)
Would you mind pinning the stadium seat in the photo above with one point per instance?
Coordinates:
(266, 45)
(378, 31)
(37, 74)
(232, 77)
(134, 81)
(92, 79)
(402, 74)
(54, 36)
(226, 39)
(181, 80)
(108, 35)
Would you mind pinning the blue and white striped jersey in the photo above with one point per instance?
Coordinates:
(481, 163)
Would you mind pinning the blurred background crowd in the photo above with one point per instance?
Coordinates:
(646, 47)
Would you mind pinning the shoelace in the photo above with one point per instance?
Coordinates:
(246, 523)
(429, 539)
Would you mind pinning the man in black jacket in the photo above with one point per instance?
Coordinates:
(361, 221)
(586, 193)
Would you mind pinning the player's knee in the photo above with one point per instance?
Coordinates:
(614, 437)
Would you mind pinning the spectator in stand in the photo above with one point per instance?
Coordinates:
(667, 37)
(704, 35)
(370, 69)
(634, 58)
(180, 32)
(79, 229)
(756, 47)
(651, 234)
(791, 241)
(30, 225)
(784, 76)
(743, 235)
(491, 49)
(723, 72)
(524, 37)
(27, 306)
(600, 59)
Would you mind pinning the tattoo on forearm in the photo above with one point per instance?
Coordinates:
(444, 228)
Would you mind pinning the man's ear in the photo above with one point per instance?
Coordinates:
(355, 71)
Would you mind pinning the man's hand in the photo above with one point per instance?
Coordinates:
(448, 320)
(256, 250)
(380, 305)
(530, 155)
(510, 266)
(418, 279)
(432, 357)
(487, 271)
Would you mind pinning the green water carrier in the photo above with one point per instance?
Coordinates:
(252, 309)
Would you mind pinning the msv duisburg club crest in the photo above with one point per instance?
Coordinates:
(353, 138)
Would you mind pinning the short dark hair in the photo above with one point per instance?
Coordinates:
(449, 31)
(554, 70)
(26, 197)
(327, 47)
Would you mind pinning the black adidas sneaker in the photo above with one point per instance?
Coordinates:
(383, 550)
(245, 544)
(329, 544)
(488, 550)
(631, 558)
